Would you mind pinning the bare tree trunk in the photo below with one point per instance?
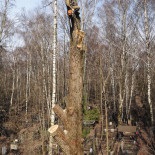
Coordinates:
(49, 90)
(131, 94)
(17, 87)
(123, 71)
(64, 75)
(28, 75)
(13, 85)
(101, 96)
(70, 139)
(147, 44)
(126, 93)
(104, 83)
(107, 129)
(27, 87)
(54, 74)
(112, 78)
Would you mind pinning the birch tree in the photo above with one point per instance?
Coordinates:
(54, 74)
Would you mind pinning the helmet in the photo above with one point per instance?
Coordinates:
(70, 12)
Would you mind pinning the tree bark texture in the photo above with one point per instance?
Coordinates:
(70, 138)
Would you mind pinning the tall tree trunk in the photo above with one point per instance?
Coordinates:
(131, 94)
(13, 83)
(112, 78)
(70, 139)
(123, 60)
(107, 129)
(126, 93)
(54, 74)
(101, 95)
(27, 85)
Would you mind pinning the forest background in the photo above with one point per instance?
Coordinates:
(119, 62)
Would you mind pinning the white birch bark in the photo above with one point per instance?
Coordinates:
(123, 59)
(131, 93)
(112, 79)
(107, 128)
(27, 87)
(18, 86)
(30, 71)
(126, 91)
(28, 75)
(13, 85)
(49, 89)
(54, 73)
(101, 95)
(64, 86)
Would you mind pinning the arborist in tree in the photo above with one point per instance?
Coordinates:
(72, 7)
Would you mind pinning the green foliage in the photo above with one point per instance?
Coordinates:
(85, 132)
(92, 114)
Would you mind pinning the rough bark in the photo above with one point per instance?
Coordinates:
(71, 143)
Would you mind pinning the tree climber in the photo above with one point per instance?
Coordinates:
(72, 4)
(72, 7)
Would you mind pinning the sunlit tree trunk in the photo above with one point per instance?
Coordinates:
(131, 94)
(54, 74)
(64, 75)
(126, 92)
(13, 84)
(49, 89)
(101, 95)
(28, 75)
(70, 136)
(112, 79)
(107, 128)
(18, 88)
(27, 87)
(123, 57)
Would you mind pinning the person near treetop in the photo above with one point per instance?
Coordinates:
(72, 4)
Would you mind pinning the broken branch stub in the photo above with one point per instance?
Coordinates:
(61, 114)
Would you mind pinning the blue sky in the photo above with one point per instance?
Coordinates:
(27, 4)
(16, 10)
